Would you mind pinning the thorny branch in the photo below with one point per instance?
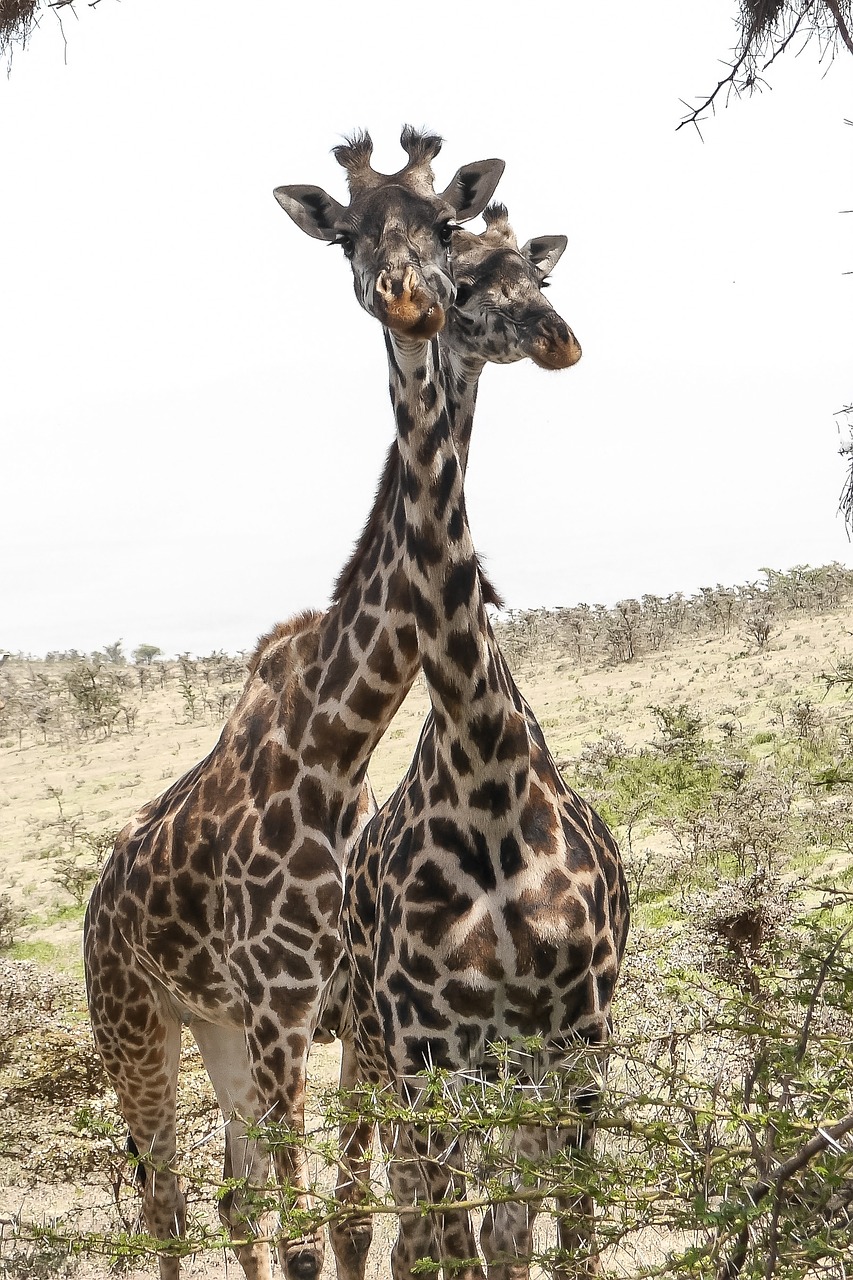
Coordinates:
(824, 1138)
(767, 28)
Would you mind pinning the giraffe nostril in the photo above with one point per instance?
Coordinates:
(554, 328)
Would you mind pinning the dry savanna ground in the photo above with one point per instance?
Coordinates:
(57, 1156)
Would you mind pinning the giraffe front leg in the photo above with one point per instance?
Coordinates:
(279, 1057)
(225, 1056)
(301, 1257)
(506, 1236)
(428, 1166)
(576, 1213)
(284, 961)
(351, 1238)
(576, 1235)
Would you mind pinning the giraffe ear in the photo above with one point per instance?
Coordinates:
(544, 252)
(473, 187)
(311, 209)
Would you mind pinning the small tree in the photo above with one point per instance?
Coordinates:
(758, 624)
(11, 918)
(144, 654)
(680, 729)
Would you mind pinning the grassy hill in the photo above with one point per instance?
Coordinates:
(722, 754)
(72, 772)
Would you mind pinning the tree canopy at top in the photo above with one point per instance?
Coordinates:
(766, 29)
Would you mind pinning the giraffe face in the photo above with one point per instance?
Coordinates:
(396, 230)
(500, 313)
(398, 245)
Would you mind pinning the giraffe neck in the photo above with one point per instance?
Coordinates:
(462, 665)
(461, 377)
(367, 655)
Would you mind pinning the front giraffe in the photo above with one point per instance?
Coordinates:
(500, 316)
(219, 906)
(485, 901)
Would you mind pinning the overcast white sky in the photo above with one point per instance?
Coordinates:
(193, 409)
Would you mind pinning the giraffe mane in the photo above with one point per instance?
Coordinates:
(387, 482)
(375, 521)
(282, 631)
(489, 592)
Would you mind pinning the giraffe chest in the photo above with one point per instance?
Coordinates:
(463, 931)
(467, 969)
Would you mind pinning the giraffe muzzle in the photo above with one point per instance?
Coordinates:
(406, 306)
(553, 345)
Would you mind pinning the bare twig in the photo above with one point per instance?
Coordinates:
(745, 55)
(767, 29)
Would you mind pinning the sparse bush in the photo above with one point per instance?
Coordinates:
(758, 624)
(11, 918)
(806, 720)
(723, 1131)
(76, 852)
(680, 730)
(75, 875)
(738, 923)
(114, 652)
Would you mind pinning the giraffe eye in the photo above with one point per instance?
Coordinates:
(445, 232)
(345, 243)
(464, 293)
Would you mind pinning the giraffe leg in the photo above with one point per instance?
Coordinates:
(506, 1236)
(301, 1258)
(576, 1214)
(226, 1059)
(140, 1044)
(426, 1165)
(351, 1239)
(279, 1058)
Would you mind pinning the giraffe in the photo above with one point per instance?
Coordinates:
(219, 905)
(485, 901)
(500, 316)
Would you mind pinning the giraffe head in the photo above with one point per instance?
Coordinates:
(500, 313)
(396, 231)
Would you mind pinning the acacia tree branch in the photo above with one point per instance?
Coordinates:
(746, 52)
(732, 1266)
(832, 6)
(821, 979)
(763, 32)
(789, 37)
